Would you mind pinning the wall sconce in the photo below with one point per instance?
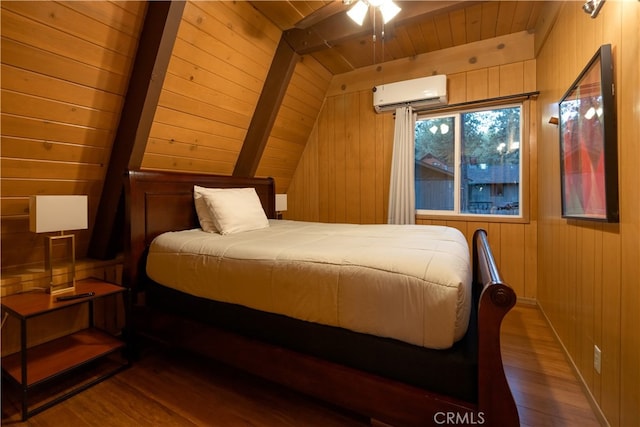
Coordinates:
(592, 7)
(58, 214)
(281, 205)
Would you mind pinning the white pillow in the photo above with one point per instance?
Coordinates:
(235, 209)
(204, 215)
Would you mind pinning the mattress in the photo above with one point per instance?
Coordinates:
(411, 283)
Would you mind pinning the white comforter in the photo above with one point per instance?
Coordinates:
(411, 283)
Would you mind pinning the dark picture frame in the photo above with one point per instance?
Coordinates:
(589, 143)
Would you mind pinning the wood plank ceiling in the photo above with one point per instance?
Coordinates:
(421, 27)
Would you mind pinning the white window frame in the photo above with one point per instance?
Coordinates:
(522, 167)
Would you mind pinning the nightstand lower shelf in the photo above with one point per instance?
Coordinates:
(64, 366)
(52, 358)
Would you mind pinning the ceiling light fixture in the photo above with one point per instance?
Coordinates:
(358, 12)
(387, 8)
(592, 7)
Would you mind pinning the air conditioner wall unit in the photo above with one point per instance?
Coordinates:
(421, 92)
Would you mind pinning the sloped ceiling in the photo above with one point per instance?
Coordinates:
(323, 30)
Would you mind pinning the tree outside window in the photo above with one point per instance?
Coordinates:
(476, 152)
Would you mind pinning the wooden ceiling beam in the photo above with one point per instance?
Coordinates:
(264, 116)
(155, 45)
(338, 27)
(321, 14)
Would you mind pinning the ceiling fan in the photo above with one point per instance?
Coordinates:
(388, 9)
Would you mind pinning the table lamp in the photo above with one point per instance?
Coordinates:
(281, 205)
(58, 214)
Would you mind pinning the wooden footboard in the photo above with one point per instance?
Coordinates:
(389, 401)
(495, 399)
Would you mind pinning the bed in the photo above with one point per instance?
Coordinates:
(424, 377)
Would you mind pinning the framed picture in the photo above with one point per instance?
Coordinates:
(588, 143)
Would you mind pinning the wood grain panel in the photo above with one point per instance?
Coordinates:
(477, 85)
(220, 59)
(428, 28)
(48, 64)
(418, 29)
(209, 63)
(502, 50)
(505, 17)
(47, 37)
(287, 13)
(473, 19)
(125, 16)
(27, 127)
(627, 56)
(21, 148)
(65, 69)
(512, 255)
(20, 104)
(588, 272)
(31, 83)
(367, 161)
(294, 122)
(458, 23)
(246, 51)
(352, 152)
(490, 11)
(218, 65)
(201, 109)
(196, 140)
(511, 78)
(352, 159)
(209, 102)
(19, 168)
(257, 30)
(63, 16)
(340, 157)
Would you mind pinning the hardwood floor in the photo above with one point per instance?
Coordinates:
(170, 388)
(543, 384)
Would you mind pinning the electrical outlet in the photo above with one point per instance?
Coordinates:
(597, 358)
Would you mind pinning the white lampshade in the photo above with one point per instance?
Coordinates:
(281, 202)
(58, 213)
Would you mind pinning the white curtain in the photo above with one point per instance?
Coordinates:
(402, 204)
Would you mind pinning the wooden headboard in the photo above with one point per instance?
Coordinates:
(157, 202)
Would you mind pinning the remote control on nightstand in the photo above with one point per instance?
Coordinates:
(76, 296)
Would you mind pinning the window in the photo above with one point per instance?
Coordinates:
(477, 152)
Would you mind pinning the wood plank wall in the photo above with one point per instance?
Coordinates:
(220, 60)
(589, 272)
(65, 70)
(343, 175)
(294, 122)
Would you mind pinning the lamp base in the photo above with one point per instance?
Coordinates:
(61, 289)
(69, 260)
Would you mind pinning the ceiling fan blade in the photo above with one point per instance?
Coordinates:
(334, 27)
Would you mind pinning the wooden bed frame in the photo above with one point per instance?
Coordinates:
(161, 201)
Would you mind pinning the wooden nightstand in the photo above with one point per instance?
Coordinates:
(35, 366)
